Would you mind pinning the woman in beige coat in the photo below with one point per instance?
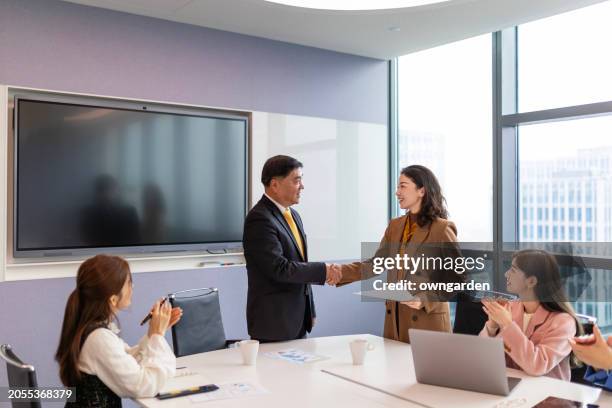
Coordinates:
(414, 234)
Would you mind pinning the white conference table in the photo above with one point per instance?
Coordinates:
(387, 370)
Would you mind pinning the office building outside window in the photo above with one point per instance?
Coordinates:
(552, 135)
(565, 166)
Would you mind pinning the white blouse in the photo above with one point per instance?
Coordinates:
(130, 372)
(526, 319)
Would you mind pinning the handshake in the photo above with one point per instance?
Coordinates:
(333, 274)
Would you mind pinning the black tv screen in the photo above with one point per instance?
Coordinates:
(93, 177)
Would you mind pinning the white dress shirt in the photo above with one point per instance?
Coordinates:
(281, 208)
(130, 372)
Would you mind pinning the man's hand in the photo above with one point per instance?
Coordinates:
(333, 274)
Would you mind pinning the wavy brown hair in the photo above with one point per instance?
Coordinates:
(87, 308)
(433, 204)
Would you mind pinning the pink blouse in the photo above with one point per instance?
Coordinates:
(543, 349)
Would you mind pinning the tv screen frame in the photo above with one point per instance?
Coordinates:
(212, 247)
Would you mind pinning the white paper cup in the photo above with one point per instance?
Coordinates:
(359, 348)
(248, 349)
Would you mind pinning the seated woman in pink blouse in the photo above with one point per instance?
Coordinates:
(535, 329)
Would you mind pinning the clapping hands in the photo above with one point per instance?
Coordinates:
(499, 315)
(333, 274)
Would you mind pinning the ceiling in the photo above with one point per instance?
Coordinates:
(382, 34)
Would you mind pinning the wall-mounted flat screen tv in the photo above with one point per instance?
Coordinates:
(94, 175)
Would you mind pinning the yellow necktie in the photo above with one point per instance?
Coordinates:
(294, 230)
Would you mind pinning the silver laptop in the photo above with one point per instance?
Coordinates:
(461, 361)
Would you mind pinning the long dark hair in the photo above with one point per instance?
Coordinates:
(88, 307)
(433, 204)
(549, 289)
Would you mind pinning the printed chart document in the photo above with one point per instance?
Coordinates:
(231, 390)
(296, 356)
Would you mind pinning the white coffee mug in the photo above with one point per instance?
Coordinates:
(359, 348)
(248, 349)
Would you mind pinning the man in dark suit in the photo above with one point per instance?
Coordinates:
(280, 304)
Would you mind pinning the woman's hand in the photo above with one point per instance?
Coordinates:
(597, 354)
(160, 318)
(498, 314)
(492, 327)
(175, 316)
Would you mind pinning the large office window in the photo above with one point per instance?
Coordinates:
(522, 144)
(445, 122)
(564, 159)
(567, 167)
(565, 60)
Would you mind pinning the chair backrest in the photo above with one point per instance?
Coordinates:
(20, 375)
(201, 328)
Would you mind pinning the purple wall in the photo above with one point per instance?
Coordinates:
(56, 45)
(66, 47)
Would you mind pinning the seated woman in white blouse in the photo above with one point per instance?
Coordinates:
(92, 357)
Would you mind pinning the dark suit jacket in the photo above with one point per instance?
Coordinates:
(280, 304)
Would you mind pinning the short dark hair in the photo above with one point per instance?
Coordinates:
(278, 166)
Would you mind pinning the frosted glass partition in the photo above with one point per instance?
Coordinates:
(345, 199)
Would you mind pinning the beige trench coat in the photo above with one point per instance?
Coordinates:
(434, 315)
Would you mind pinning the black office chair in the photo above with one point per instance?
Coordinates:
(201, 327)
(20, 375)
(577, 373)
(469, 316)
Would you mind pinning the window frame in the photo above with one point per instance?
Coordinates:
(505, 164)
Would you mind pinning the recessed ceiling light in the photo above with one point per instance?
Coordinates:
(393, 29)
(355, 4)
